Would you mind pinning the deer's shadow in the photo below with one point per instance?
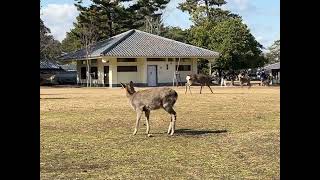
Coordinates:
(198, 132)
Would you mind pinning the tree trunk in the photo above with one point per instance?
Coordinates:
(87, 57)
(110, 24)
(88, 72)
(207, 9)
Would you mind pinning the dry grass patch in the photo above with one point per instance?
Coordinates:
(231, 134)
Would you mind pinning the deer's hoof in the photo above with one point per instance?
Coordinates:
(149, 135)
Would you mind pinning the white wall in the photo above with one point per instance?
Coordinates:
(126, 77)
(164, 75)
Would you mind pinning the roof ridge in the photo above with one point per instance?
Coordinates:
(175, 41)
(129, 33)
(94, 44)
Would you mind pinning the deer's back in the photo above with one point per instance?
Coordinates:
(154, 98)
(199, 78)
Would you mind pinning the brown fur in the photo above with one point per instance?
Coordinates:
(152, 99)
(198, 79)
(244, 79)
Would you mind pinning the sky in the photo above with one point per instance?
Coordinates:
(261, 16)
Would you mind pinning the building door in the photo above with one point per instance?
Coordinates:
(106, 75)
(152, 75)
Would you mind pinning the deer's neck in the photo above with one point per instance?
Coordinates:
(129, 94)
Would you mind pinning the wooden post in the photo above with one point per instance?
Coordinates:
(175, 73)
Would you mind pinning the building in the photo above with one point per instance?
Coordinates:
(145, 59)
(48, 70)
(49, 66)
(274, 69)
(68, 76)
(52, 72)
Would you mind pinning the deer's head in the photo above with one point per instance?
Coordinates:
(129, 88)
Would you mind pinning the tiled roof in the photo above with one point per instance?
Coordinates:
(135, 43)
(69, 67)
(272, 66)
(49, 64)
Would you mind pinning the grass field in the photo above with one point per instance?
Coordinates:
(86, 133)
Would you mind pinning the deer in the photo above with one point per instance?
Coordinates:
(201, 79)
(151, 99)
(244, 78)
(265, 78)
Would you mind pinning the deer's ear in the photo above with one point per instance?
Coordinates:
(131, 83)
(123, 85)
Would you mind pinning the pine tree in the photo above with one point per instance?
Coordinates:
(194, 7)
(49, 47)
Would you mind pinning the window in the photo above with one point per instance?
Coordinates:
(185, 59)
(127, 69)
(126, 60)
(93, 61)
(83, 62)
(184, 67)
(83, 72)
(170, 59)
(156, 59)
(94, 72)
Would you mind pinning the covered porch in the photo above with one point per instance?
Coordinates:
(143, 71)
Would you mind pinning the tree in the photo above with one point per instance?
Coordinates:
(273, 55)
(222, 31)
(175, 33)
(88, 33)
(147, 15)
(205, 14)
(201, 8)
(113, 18)
(71, 42)
(232, 39)
(94, 16)
(237, 46)
(49, 47)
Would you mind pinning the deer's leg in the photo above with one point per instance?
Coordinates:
(170, 126)
(173, 114)
(147, 114)
(139, 113)
(200, 88)
(210, 88)
(173, 125)
(189, 88)
(249, 84)
(186, 88)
